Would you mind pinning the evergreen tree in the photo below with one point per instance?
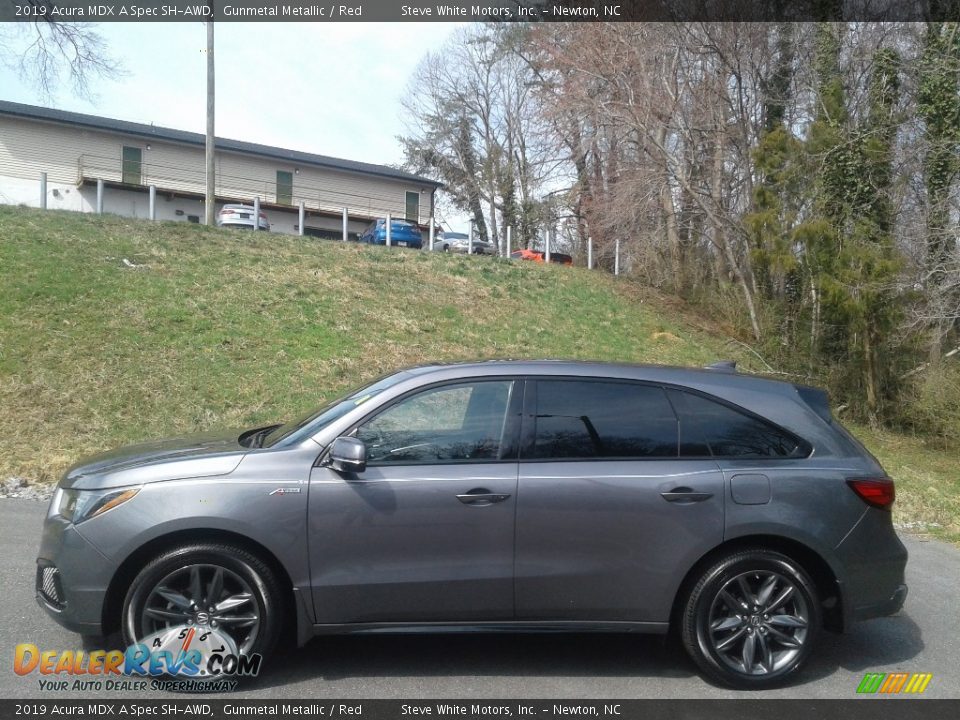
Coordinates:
(848, 236)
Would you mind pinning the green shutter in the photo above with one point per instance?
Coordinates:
(132, 166)
(284, 187)
(413, 207)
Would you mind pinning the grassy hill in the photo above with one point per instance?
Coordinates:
(114, 330)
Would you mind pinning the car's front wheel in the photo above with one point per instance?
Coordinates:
(751, 619)
(206, 586)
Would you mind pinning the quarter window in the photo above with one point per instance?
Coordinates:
(453, 423)
(581, 419)
(709, 428)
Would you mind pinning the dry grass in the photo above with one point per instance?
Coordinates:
(927, 477)
(216, 329)
(227, 329)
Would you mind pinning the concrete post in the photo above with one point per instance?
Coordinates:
(616, 259)
(431, 232)
(509, 238)
(43, 191)
(302, 217)
(346, 219)
(99, 196)
(153, 202)
(210, 193)
(589, 253)
(470, 239)
(256, 213)
(546, 255)
(389, 229)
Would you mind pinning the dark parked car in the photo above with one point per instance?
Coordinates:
(532, 496)
(403, 233)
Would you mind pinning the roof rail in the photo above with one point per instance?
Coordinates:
(725, 366)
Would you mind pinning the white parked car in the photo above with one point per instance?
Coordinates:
(460, 242)
(240, 216)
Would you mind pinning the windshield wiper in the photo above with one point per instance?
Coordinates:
(259, 437)
(254, 438)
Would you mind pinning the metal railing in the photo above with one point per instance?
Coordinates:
(192, 179)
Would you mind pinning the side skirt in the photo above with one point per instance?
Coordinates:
(499, 626)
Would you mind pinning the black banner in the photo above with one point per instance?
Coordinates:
(476, 11)
(219, 709)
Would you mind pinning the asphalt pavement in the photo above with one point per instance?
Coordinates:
(922, 638)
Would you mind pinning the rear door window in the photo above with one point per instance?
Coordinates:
(586, 419)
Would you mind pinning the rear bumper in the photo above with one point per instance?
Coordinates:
(396, 242)
(890, 606)
(874, 561)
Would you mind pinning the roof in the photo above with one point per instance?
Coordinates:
(597, 368)
(155, 132)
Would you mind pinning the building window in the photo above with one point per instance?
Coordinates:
(413, 207)
(284, 187)
(132, 166)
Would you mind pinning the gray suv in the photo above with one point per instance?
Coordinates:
(501, 495)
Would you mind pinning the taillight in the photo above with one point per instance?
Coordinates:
(878, 492)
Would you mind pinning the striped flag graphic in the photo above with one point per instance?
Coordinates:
(893, 683)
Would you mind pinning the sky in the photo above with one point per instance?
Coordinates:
(332, 89)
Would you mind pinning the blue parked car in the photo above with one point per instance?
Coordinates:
(403, 233)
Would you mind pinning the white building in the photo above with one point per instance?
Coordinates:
(76, 150)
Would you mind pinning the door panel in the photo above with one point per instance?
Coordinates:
(426, 532)
(597, 541)
(396, 544)
(609, 518)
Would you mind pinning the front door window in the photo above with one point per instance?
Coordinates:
(452, 423)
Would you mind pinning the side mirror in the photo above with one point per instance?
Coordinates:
(348, 454)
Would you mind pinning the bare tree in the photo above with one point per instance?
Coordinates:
(47, 52)
(475, 127)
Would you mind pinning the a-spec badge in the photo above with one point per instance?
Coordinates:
(285, 491)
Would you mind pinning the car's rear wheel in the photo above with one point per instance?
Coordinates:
(206, 586)
(751, 619)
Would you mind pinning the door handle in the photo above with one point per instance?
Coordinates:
(482, 497)
(685, 495)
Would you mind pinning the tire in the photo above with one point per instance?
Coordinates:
(241, 574)
(726, 631)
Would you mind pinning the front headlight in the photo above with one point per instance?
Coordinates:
(79, 505)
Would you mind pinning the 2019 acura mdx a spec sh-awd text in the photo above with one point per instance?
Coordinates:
(527, 496)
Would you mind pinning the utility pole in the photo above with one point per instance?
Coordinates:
(210, 198)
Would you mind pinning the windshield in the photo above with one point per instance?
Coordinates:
(312, 422)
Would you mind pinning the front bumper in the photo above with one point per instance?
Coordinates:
(72, 578)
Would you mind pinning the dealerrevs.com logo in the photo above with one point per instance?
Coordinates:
(178, 658)
(894, 683)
